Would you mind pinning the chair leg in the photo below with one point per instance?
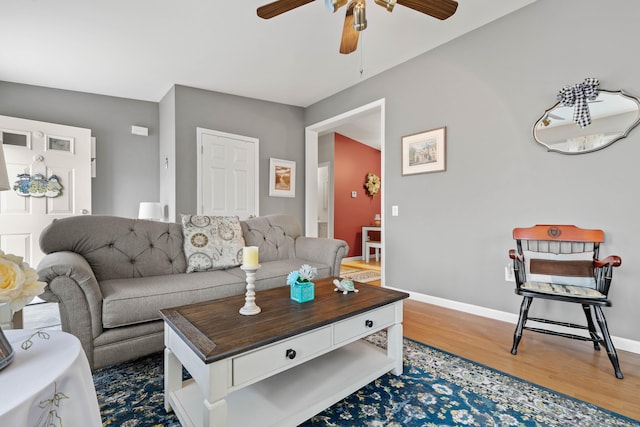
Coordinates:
(524, 311)
(592, 327)
(611, 350)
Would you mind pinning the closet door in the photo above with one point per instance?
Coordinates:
(227, 174)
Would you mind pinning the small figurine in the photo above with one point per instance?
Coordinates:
(345, 286)
(38, 185)
(54, 188)
(21, 186)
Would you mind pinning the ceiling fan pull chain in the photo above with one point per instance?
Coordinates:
(361, 56)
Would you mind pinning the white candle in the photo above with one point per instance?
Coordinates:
(250, 256)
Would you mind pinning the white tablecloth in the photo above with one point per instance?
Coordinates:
(49, 383)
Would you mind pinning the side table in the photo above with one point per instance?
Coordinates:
(49, 382)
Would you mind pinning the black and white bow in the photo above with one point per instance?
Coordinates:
(577, 96)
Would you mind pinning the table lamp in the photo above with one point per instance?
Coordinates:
(150, 210)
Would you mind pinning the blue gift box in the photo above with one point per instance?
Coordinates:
(302, 291)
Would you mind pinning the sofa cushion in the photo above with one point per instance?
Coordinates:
(212, 242)
(131, 301)
(118, 247)
(274, 235)
(564, 290)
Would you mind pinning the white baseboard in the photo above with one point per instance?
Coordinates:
(620, 343)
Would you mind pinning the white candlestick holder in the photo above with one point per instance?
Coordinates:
(250, 308)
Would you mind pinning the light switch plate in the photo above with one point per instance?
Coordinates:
(354, 194)
(394, 210)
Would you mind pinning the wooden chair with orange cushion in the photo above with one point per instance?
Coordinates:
(560, 263)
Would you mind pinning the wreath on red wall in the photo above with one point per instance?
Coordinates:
(372, 184)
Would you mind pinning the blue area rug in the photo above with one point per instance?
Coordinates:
(436, 389)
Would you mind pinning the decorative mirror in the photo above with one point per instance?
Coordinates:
(610, 116)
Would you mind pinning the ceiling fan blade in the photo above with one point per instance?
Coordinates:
(440, 9)
(349, 41)
(280, 6)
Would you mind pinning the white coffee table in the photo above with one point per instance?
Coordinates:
(282, 366)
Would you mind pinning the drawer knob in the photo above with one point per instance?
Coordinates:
(368, 323)
(291, 354)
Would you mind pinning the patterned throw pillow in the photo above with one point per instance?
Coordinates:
(212, 242)
(561, 269)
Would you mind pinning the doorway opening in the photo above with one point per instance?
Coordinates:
(373, 112)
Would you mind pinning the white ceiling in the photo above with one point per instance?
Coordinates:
(364, 128)
(139, 49)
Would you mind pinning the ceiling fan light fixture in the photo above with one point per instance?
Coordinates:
(387, 4)
(359, 16)
(334, 5)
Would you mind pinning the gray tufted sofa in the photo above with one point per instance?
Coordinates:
(111, 275)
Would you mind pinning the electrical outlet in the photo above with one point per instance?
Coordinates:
(508, 274)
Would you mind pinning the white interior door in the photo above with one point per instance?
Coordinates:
(30, 148)
(227, 174)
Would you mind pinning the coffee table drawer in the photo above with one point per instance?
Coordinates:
(364, 323)
(279, 356)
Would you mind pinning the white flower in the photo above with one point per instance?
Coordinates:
(307, 273)
(18, 282)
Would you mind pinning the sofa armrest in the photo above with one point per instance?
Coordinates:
(72, 284)
(327, 251)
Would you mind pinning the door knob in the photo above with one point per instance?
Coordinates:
(84, 211)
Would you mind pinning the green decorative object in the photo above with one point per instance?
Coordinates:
(303, 291)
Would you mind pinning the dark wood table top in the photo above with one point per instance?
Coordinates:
(215, 330)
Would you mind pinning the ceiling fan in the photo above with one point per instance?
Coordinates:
(355, 19)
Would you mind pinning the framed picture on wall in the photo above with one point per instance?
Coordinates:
(282, 178)
(424, 152)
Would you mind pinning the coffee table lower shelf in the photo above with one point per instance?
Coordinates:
(295, 395)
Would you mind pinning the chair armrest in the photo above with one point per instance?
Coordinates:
(73, 285)
(513, 254)
(518, 267)
(612, 260)
(327, 251)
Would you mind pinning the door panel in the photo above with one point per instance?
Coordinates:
(49, 149)
(227, 174)
(63, 204)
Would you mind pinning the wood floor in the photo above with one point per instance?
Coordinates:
(566, 366)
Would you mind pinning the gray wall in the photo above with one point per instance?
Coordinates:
(488, 88)
(127, 166)
(130, 168)
(326, 148)
(279, 128)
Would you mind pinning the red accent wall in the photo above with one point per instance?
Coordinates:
(352, 161)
